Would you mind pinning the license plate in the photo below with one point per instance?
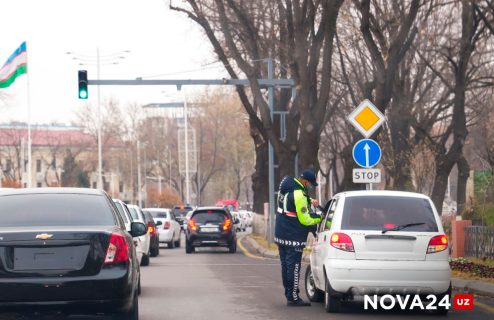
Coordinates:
(209, 229)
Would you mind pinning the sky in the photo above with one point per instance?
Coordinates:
(163, 44)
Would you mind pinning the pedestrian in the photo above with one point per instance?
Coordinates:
(294, 221)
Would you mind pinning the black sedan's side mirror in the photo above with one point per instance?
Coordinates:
(159, 223)
(138, 229)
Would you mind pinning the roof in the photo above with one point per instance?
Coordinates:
(383, 193)
(157, 209)
(210, 208)
(51, 191)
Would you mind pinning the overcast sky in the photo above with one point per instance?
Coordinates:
(162, 42)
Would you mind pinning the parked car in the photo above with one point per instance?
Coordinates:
(168, 226)
(249, 217)
(378, 242)
(67, 248)
(186, 220)
(180, 211)
(242, 221)
(211, 227)
(137, 215)
(127, 218)
(153, 231)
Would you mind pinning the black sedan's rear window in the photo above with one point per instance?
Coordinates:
(209, 217)
(27, 210)
(379, 212)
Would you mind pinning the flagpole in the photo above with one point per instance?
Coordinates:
(29, 153)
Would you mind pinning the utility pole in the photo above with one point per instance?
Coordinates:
(139, 195)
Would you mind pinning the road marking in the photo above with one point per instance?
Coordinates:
(484, 306)
(248, 254)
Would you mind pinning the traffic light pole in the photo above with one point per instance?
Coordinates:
(100, 147)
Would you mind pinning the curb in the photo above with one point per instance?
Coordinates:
(268, 253)
(467, 286)
(473, 286)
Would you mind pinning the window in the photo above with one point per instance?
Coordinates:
(121, 187)
(133, 213)
(55, 210)
(379, 212)
(121, 211)
(210, 216)
(38, 165)
(324, 226)
(94, 185)
(159, 214)
(39, 185)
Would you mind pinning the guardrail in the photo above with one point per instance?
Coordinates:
(479, 242)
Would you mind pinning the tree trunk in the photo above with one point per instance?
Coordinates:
(463, 174)
(439, 190)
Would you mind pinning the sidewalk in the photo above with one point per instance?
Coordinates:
(460, 285)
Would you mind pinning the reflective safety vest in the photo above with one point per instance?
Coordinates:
(294, 219)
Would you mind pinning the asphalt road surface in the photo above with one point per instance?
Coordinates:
(214, 284)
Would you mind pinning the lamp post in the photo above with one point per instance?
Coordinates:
(85, 60)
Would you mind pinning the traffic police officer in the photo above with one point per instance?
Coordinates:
(294, 221)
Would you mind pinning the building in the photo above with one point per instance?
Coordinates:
(62, 156)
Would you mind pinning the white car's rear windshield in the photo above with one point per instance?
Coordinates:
(159, 214)
(384, 212)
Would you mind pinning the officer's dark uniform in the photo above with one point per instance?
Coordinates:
(293, 224)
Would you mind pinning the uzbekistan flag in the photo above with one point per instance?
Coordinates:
(15, 66)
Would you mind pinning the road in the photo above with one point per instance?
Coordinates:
(214, 284)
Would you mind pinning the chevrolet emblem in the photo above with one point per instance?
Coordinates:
(44, 236)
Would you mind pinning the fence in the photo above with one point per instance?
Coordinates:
(479, 242)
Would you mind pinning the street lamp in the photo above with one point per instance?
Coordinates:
(85, 60)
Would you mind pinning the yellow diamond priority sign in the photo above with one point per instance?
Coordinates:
(366, 118)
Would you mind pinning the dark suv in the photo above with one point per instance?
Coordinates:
(211, 227)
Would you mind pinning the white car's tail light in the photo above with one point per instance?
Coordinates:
(118, 249)
(341, 241)
(437, 244)
(166, 226)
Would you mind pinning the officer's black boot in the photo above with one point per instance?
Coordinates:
(298, 303)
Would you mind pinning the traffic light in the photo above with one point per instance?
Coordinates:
(83, 84)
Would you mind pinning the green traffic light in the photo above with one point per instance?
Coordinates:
(83, 94)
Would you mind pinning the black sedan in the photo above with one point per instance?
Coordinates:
(155, 241)
(67, 249)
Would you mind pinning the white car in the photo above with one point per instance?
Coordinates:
(242, 221)
(127, 218)
(250, 217)
(137, 215)
(378, 242)
(167, 225)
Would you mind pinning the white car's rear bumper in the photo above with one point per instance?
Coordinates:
(362, 277)
(165, 235)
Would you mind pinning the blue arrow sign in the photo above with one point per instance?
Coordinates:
(366, 153)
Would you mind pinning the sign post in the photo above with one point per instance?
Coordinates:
(366, 118)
